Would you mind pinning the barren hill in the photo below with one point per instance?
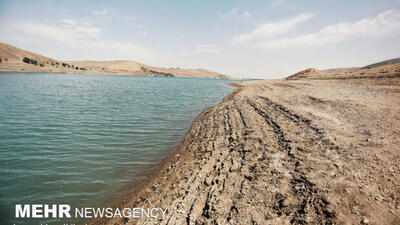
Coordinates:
(339, 70)
(383, 63)
(18, 60)
(307, 73)
(388, 68)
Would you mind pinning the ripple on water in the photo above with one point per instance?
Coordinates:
(83, 139)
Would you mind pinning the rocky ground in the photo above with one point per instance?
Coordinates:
(286, 152)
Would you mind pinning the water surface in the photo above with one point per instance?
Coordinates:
(83, 139)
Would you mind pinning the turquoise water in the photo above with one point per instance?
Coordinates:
(83, 139)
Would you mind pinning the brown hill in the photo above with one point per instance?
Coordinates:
(388, 68)
(383, 63)
(307, 73)
(11, 59)
(14, 59)
(339, 70)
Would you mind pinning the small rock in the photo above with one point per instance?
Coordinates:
(365, 221)
(380, 198)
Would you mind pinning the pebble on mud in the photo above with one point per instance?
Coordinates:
(365, 221)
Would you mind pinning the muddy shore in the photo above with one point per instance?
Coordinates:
(285, 152)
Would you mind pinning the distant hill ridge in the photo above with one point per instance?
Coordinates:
(387, 68)
(307, 73)
(14, 59)
(383, 63)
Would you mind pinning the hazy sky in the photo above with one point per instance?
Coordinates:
(259, 39)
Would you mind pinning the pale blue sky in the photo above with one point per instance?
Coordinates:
(259, 39)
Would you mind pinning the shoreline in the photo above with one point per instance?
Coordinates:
(138, 190)
(19, 60)
(55, 72)
(257, 157)
(114, 74)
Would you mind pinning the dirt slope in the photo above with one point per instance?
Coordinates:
(388, 68)
(287, 152)
(340, 70)
(307, 73)
(383, 63)
(11, 59)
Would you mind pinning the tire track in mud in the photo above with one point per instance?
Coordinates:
(244, 165)
(267, 155)
(310, 203)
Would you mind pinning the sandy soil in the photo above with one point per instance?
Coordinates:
(286, 152)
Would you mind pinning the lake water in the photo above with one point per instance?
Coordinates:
(83, 139)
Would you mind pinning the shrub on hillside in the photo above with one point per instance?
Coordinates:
(30, 61)
(26, 60)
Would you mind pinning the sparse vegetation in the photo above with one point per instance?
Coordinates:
(56, 64)
(30, 61)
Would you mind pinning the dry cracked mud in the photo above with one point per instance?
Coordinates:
(286, 152)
